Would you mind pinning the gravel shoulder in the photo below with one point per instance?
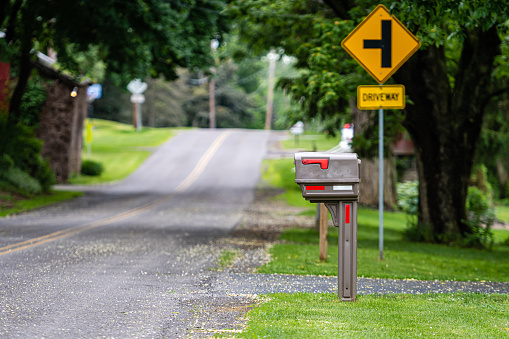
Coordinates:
(233, 290)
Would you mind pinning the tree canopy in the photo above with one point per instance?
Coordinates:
(133, 38)
(461, 65)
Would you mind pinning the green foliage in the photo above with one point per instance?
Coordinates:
(477, 201)
(480, 218)
(234, 108)
(21, 162)
(22, 181)
(115, 104)
(33, 100)
(437, 22)
(451, 32)
(480, 215)
(120, 149)
(493, 147)
(133, 38)
(505, 242)
(408, 196)
(91, 168)
(408, 202)
(87, 63)
(163, 102)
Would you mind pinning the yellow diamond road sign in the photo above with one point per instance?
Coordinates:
(381, 44)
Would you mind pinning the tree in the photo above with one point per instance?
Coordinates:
(133, 38)
(124, 39)
(449, 81)
(234, 107)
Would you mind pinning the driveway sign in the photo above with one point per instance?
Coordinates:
(381, 44)
(376, 97)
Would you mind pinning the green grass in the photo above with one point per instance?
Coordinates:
(311, 141)
(36, 202)
(402, 259)
(502, 213)
(120, 149)
(281, 173)
(303, 315)
(226, 258)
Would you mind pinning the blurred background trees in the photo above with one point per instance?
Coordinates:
(454, 85)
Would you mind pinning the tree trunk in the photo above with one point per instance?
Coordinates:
(445, 123)
(369, 168)
(25, 67)
(369, 182)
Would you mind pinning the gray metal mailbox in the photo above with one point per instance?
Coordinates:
(333, 179)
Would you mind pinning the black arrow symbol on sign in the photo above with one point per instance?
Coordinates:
(385, 44)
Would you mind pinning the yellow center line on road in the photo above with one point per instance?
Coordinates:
(184, 185)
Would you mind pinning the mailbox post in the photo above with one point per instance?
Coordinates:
(333, 179)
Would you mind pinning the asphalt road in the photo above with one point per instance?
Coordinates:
(133, 259)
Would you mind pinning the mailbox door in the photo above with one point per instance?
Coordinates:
(334, 191)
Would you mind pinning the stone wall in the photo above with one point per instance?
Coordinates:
(61, 128)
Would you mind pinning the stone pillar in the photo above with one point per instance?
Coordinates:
(61, 128)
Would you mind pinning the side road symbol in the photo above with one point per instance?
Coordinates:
(385, 44)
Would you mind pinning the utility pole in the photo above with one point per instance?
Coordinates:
(272, 56)
(212, 100)
(214, 44)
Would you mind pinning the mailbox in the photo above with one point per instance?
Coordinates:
(325, 177)
(333, 179)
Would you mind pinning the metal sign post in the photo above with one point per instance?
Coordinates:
(381, 182)
(381, 44)
(137, 87)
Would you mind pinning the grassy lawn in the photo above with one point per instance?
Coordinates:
(281, 173)
(120, 149)
(502, 213)
(310, 141)
(117, 146)
(22, 205)
(457, 315)
(306, 315)
(402, 259)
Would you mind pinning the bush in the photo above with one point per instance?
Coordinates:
(408, 196)
(408, 202)
(480, 218)
(22, 181)
(21, 153)
(91, 168)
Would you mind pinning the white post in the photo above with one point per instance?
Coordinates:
(138, 117)
(214, 44)
(270, 95)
